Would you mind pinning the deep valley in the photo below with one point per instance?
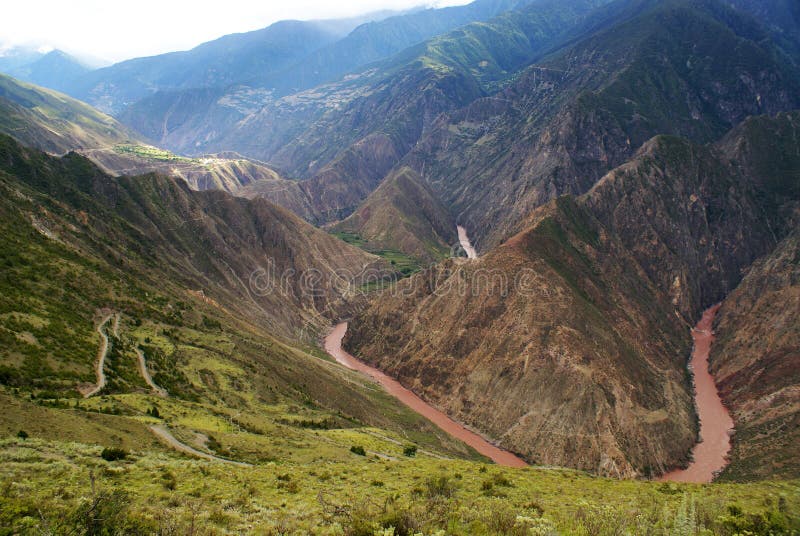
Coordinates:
(505, 267)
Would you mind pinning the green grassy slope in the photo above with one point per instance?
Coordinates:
(77, 245)
(56, 123)
(152, 492)
(53, 122)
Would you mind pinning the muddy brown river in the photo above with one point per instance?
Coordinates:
(333, 345)
(710, 455)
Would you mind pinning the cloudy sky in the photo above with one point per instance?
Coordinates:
(114, 30)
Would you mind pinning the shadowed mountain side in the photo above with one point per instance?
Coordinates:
(403, 215)
(252, 256)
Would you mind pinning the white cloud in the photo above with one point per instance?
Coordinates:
(117, 30)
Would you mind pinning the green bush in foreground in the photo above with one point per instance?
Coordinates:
(112, 454)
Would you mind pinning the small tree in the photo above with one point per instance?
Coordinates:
(358, 449)
(410, 451)
(22, 434)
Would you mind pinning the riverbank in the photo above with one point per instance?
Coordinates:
(710, 454)
(333, 345)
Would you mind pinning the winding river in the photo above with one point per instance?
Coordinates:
(333, 345)
(710, 455)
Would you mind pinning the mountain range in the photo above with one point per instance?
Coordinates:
(181, 232)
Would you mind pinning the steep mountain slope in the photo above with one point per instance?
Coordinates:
(182, 119)
(538, 345)
(691, 220)
(286, 57)
(402, 214)
(765, 148)
(54, 122)
(213, 242)
(232, 59)
(593, 299)
(658, 68)
(756, 361)
(221, 296)
(347, 136)
(757, 353)
(781, 17)
(377, 40)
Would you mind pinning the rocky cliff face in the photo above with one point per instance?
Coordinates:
(596, 296)
(688, 216)
(539, 345)
(756, 362)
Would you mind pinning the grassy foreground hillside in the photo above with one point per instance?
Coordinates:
(61, 488)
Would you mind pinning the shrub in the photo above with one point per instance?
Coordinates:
(410, 451)
(112, 454)
(440, 486)
(104, 514)
(286, 483)
(501, 480)
(22, 434)
(213, 444)
(168, 480)
(358, 449)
